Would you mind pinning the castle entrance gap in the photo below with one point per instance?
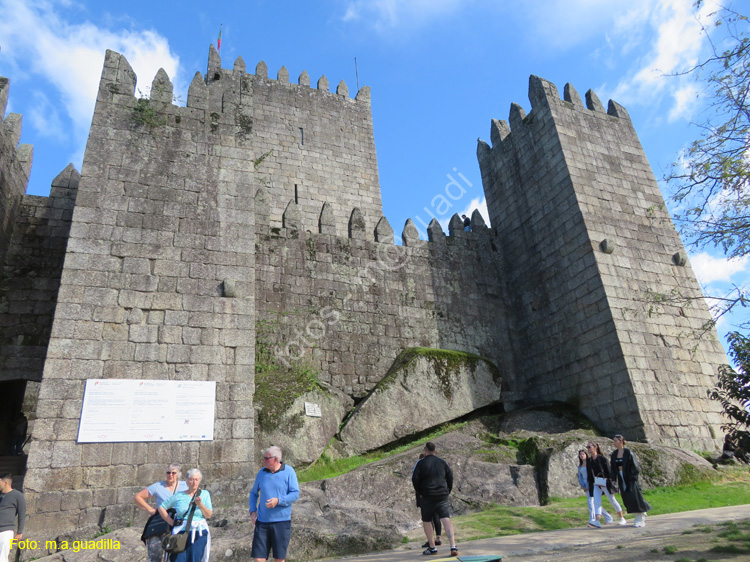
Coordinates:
(12, 394)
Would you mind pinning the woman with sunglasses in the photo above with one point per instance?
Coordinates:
(161, 491)
(600, 483)
(626, 468)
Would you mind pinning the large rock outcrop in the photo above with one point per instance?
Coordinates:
(303, 437)
(423, 388)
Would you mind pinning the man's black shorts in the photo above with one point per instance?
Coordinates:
(441, 506)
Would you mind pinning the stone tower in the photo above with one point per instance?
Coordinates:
(585, 237)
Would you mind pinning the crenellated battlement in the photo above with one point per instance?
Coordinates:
(122, 74)
(264, 127)
(12, 125)
(545, 98)
(293, 226)
(15, 168)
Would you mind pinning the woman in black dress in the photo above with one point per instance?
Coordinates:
(625, 466)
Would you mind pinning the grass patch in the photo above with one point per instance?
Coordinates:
(499, 521)
(326, 467)
(729, 549)
(701, 495)
(670, 549)
(565, 513)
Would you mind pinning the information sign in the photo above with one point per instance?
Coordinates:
(125, 410)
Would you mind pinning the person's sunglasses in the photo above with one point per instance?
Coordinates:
(171, 472)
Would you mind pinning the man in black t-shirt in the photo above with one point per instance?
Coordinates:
(433, 481)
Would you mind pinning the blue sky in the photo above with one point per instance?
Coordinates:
(439, 71)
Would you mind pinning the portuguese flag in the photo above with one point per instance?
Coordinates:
(218, 41)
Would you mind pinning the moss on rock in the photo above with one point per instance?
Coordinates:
(447, 364)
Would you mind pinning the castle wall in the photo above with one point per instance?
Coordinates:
(31, 277)
(161, 231)
(310, 145)
(334, 161)
(560, 181)
(347, 307)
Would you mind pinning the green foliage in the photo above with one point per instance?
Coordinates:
(738, 534)
(145, 113)
(732, 391)
(258, 161)
(327, 467)
(277, 384)
(103, 531)
(711, 181)
(670, 549)
(264, 359)
(690, 474)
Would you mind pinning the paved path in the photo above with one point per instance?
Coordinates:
(529, 545)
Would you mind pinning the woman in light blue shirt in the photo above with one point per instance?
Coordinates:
(199, 542)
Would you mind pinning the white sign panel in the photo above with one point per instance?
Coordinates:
(313, 410)
(119, 410)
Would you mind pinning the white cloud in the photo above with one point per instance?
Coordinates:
(675, 47)
(38, 42)
(390, 14)
(709, 269)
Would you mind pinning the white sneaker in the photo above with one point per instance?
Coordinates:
(640, 520)
(622, 521)
(595, 524)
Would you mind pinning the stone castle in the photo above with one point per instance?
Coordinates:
(258, 205)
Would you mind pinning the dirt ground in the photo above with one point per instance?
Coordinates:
(708, 535)
(694, 544)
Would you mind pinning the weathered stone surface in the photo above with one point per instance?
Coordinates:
(303, 438)
(424, 388)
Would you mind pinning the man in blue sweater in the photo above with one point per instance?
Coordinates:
(274, 491)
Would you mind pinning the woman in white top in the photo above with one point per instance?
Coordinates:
(583, 481)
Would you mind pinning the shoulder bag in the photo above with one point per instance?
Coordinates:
(156, 526)
(178, 543)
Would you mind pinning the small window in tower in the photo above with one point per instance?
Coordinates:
(296, 193)
(301, 135)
